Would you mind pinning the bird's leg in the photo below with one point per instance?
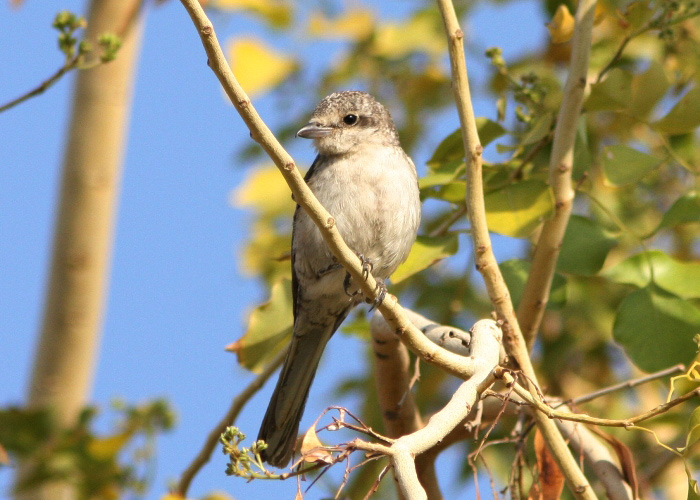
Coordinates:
(367, 266)
(381, 294)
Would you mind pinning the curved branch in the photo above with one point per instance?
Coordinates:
(486, 339)
(390, 308)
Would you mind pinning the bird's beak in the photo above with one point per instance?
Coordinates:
(314, 130)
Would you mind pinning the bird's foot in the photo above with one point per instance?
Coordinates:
(367, 265)
(381, 294)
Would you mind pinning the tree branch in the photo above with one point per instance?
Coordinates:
(390, 309)
(486, 339)
(485, 259)
(544, 260)
(212, 440)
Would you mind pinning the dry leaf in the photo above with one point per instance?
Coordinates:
(312, 448)
(624, 455)
(551, 480)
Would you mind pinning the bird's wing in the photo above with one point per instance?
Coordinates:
(297, 212)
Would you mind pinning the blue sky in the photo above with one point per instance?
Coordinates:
(176, 295)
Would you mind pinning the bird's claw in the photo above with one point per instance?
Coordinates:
(367, 265)
(381, 295)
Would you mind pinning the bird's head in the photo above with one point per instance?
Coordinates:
(344, 120)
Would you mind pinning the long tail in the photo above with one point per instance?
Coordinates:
(280, 426)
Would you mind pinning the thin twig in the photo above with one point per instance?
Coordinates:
(628, 423)
(447, 223)
(45, 85)
(625, 385)
(213, 437)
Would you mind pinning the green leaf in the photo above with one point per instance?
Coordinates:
(684, 210)
(518, 209)
(679, 278)
(425, 252)
(693, 429)
(624, 165)
(582, 150)
(647, 90)
(684, 116)
(611, 94)
(539, 129)
(452, 146)
(585, 247)
(442, 173)
(693, 489)
(515, 273)
(454, 192)
(656, 328)
(637, 14)
(269, 329)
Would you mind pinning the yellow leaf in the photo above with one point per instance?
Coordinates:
(355, 24)
(265, 190)
(312, 448)
(106, 448)
(258, 67)
(561, 29)
(277, 13)
(426, 35)
(269, 329)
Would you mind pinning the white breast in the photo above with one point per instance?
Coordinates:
(373, 196)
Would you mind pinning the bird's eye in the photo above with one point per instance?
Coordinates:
(350, 119)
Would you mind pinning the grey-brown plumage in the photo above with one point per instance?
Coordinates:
(366, 181)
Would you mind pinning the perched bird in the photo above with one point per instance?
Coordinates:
(368, 184)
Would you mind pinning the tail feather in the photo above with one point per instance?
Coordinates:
(280, 426)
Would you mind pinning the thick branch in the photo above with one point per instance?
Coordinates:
(390, 309)
(486, 338)
(485, 259)
(393, 380)
(544, 260)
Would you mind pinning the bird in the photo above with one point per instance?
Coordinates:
(367, 182)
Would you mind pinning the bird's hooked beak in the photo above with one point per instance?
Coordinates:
(314, 130)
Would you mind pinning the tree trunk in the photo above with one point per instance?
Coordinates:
(65, 356)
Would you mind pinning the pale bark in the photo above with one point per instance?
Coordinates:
(66, 353)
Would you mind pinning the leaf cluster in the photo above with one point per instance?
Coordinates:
(99, 466)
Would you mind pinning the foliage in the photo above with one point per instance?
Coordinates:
(626, 279)
(100, 466)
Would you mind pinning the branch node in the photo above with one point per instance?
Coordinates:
(207, 30)
(459, 34)
(289, 166)
(481, 249)
(330, 222)
(243, 103)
